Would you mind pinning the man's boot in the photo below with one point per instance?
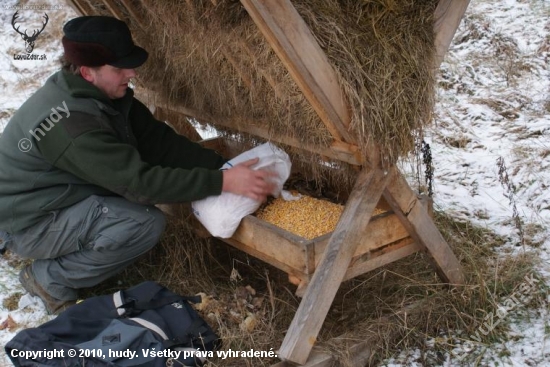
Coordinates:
(52, 304)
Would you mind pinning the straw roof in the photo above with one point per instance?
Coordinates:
(211, 57)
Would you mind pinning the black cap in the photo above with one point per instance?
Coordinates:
(101, 40)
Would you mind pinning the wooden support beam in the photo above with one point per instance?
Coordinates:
(397, 252)
(254, 235)
(448, 15)
(387, 228)
(339, 150)
(298, 50)
(320, 293)
(178, 122)
(415, 218)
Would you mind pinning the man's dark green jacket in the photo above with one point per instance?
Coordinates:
(69, 141)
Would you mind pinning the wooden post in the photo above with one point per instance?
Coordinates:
(448, 15)
(415, 218)
(338, 150)
(326, 280)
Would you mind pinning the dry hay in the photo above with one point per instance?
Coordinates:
(210, 56)
(396, 307)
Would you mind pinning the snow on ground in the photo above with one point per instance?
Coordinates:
(493, 102)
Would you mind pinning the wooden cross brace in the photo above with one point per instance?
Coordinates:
(296, 47)
(370, 186)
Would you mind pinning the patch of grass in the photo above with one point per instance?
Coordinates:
(11, 302)
(15, 261)
(461, 141)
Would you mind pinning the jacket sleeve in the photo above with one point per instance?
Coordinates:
(160, 145)
(97, 156)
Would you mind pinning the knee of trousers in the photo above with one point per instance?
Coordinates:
(134, 234)
(153, 229)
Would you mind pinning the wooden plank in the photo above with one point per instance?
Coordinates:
(448, 15)
(275, 245)
(178, 122)
(367, 256)
(227, 148)
(310, 257)
(298, 50)
(342, 151)
(372, 260)
(405, 248)
(217, 143)
(262, 256)
(414, 217)
(380, 231)
(307, 322)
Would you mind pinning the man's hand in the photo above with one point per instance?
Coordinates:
(243, 180)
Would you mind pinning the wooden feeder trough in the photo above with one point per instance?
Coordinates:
(384, 239)
(361, 241)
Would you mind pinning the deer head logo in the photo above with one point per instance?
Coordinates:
(29, 40)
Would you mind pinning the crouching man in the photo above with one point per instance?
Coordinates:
(82, 163)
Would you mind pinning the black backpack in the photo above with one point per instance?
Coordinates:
(146, 325)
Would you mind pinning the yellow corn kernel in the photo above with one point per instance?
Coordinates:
(306, 217)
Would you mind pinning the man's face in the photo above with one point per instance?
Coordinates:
(111, 80)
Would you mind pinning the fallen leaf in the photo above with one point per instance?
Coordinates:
(9, 324)
(205, 301)
(249, 323)
(250, 290)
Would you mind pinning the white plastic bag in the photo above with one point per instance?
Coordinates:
(222, 214)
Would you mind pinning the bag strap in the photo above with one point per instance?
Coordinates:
(136, 306)
(145, 302)
(197, 331)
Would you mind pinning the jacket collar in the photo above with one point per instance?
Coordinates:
(78, 87)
